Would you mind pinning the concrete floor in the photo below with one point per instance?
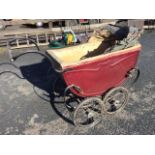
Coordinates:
(27, 108)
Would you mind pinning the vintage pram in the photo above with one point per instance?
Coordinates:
(97, 82)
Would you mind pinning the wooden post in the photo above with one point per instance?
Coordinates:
(50, 25)
(17, 41)
(27, 39)
(46, 37)
(37, 39)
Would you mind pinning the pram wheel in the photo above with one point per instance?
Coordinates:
(132, 77)
(88, 113)
(115, 100)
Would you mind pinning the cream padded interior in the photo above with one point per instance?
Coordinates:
(73, 53)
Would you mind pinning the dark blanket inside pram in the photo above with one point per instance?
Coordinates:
(116, 37)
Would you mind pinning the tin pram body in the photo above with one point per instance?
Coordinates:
(96, 79)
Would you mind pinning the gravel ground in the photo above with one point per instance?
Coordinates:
(27, 108)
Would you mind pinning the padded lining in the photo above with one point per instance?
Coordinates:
(74, 53)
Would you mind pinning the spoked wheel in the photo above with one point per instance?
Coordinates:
(115, 100)
(88, 113)
(132, 77)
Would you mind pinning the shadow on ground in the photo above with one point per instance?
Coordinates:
(42, 76)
